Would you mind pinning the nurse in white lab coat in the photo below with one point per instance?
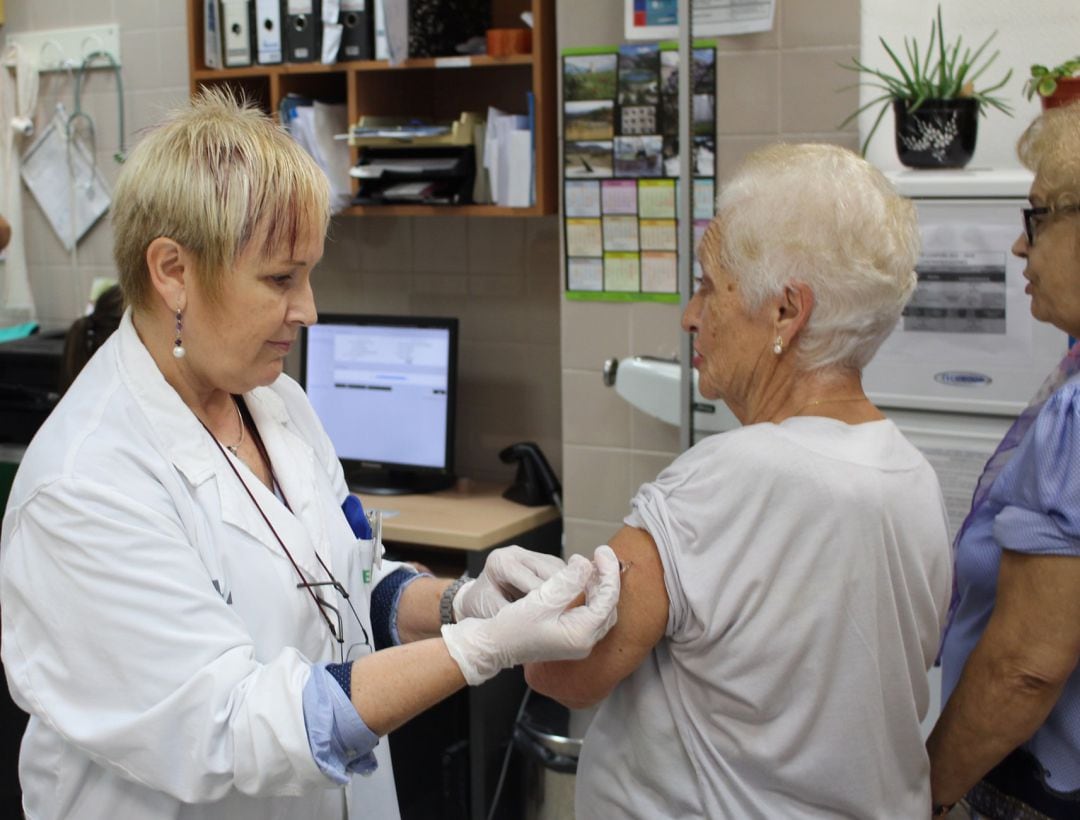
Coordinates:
(174, 547)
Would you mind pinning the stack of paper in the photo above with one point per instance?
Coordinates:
(314, 125)
(508, 157)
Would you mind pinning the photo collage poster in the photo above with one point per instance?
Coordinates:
(621, 167)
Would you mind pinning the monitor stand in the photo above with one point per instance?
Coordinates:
(399, 482)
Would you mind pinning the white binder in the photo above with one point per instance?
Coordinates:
(236, 35)
(382, 44)
(211, 34)
(268, 48)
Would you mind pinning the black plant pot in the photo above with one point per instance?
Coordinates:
(937, 134)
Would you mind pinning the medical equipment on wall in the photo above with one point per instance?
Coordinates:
(61, 173)
(60, 167)
(18, 99)
(652, 386)
(967, 356)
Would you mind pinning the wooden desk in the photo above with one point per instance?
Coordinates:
(451, 531)
(471, 516)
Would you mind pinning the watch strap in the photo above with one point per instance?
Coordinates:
(446, 602)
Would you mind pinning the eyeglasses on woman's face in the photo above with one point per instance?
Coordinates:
(1033, 217)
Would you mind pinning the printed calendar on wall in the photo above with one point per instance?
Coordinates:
(620, 167)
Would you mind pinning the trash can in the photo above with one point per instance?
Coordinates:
(550, 759)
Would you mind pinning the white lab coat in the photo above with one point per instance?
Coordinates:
(152, 626)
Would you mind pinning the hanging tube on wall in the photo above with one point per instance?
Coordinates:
(65, 49)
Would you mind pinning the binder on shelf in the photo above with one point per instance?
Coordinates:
(357, 33)
(382, 43)
(436, 28)
(303, 36)
(236, 32)
(268, 43)
(211, 34)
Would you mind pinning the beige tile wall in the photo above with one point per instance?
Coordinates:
(499, 276)
(780, 84)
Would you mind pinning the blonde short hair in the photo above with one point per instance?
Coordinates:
(822, 215)
(214, 176)
(1051, 148)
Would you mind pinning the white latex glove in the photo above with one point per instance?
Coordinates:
(509, 573)
(539, 627)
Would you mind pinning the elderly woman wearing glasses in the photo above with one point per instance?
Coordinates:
(1009, 736)
(176, 555)
(789, 579)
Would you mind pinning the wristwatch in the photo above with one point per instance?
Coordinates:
(446, 602)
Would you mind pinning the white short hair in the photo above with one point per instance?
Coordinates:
(822, 215)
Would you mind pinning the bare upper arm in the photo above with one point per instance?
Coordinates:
(1036, 620)
(642, 619)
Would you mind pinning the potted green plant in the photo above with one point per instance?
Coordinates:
(1055, 86)
(932, 91)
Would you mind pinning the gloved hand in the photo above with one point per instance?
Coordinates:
(539, 627)
(509, 573)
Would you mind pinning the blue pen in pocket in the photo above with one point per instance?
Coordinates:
(354, 514)
(368, 540)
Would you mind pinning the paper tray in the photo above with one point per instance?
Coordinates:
(408, 174)
(396, 132)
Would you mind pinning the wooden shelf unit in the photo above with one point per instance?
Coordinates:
(439, 88)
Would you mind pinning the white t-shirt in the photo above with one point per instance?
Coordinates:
(808, 570)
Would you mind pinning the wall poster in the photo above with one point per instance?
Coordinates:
(658, 19)
(621, 165)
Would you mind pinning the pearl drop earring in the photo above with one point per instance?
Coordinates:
(178, 345)
(778, 345)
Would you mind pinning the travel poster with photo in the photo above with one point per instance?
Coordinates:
(621, 161)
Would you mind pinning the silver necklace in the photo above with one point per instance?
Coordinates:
(234, 448)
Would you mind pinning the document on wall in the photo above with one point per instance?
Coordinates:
(659, 19)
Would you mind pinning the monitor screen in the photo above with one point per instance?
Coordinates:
(384, 388)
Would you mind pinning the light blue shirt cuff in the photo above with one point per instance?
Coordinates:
(397, 601)
(340, 741)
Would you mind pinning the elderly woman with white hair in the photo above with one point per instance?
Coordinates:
(787, 580)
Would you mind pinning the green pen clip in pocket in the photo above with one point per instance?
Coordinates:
(371, 549)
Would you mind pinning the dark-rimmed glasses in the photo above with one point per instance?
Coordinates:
(1032, 217)
(354, 650)
(338, 634)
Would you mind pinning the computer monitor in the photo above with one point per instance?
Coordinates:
(384, 388)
